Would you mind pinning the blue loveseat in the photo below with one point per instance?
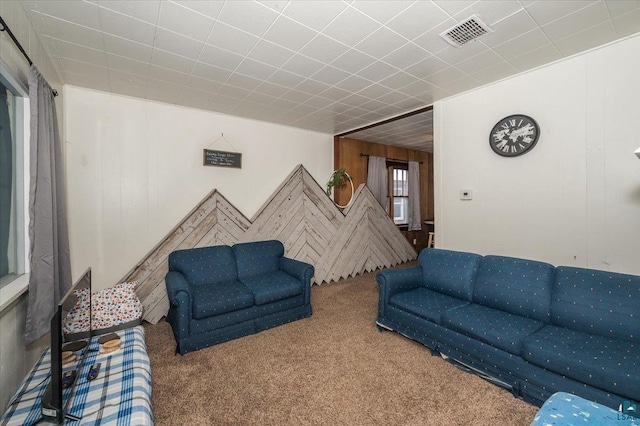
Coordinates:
(221, 293)
(531, 327)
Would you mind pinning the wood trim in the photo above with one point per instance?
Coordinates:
(388, 120)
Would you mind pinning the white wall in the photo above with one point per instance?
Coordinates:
(575, 198)
(134, 170)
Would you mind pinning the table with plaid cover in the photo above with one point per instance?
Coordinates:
(120, 395)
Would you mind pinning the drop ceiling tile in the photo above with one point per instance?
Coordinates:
(272, 89)
(255, 69)
(127, 27)
(314, 14)
(312, 87)
(522, 44)
(224, 103)
(505, 30)
(330, 75)
(283, 104)
(398, 80)
(127, 87)
(453, 55)
(208, 8)
(194, 98)
(72, 33)
(495, 73)
(243, 81)
(184, 21)
(270, 53)
(479, 62)
(374, 91)
(285, 78)
(335, 93)
(353, 61)
(203, 84)
(303, 65)
(260, 98)
(324, 49)
(392, 98)
(576, 22)
(318, 102)
(81, 53)
(372, 105)
(350, 27)
(355, 100)
(162, 91)
(232, 39)
(169, 60)
(417, 19)
(405, 56)
(453, 7)
(377, 71)
(178, 44)
(445, 76)
(289, 33)
(628, 24)
(416, 88)
(353, 83)
(127, 65)
(220, 58)
(124, 47)
(88, 80)
(534, 58)
(248, 16)
(544, 12)
(461, 85)
(592, 37)
(490, 11)
(145, 10)
(210, 72)
(236, 92)
(296, 96)
(427, 67)
(167, 75)
(81, 13)
(82, 68)
(431, 40)
(382, 42)
(381, 11)
(618, 8)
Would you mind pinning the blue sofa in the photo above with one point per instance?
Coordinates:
(531, 327)
(221, 293)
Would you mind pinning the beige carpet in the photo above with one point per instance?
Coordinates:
(334, 368)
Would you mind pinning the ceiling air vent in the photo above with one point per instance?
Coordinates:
(466, 31)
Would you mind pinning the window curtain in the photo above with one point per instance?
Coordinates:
(50, 275)
(6, 181)
(377, 179)
(415, 222)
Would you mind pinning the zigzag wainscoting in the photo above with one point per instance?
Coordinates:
(300, 214)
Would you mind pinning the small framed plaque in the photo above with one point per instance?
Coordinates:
(222, 158)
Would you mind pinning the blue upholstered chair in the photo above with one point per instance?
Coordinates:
(221, 293)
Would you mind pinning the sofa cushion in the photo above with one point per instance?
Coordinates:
(257, 258)
(609, 364)
(219, 298)
(270, 287)
(597, 302)
(449, 272)
(426, 303)
(204, 265)
(500, 329)
(519, 286)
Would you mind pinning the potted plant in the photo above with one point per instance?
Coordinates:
(339, 179)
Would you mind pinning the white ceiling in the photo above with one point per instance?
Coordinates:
(323, 65)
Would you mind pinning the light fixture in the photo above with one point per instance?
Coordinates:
(638, 152)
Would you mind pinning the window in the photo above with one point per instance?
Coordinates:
(400, 194)
(12, 178)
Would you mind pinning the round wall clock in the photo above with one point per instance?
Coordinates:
(514, 135)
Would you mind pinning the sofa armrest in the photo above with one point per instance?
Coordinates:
(180, 299)
(301, 271)
(394, 281)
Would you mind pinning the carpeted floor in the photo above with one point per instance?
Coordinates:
(334, 368)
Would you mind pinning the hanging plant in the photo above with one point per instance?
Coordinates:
(339, 179)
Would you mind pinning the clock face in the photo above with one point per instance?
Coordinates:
(514, 135)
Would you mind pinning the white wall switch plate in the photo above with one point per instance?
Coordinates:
(466, 194)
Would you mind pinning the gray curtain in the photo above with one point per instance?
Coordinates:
(50, 276)
(6, 181)
(377, 179)
(415, 222)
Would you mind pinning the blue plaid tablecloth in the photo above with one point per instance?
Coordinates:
(121, 395)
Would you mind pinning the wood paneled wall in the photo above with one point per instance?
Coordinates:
(347, 155)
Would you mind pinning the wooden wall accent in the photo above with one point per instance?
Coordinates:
(300, 214)
(347, 155)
